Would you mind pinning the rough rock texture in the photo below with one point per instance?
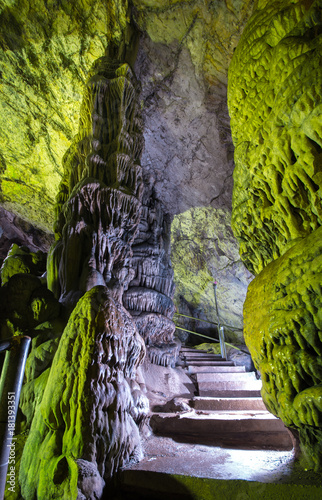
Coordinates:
(284, 336)
(150, 293)
(85, 412)
(275, 106)
(204, 249)
(46, 51)
(98, 205)
(22, 260)
(13, 229)
(182, 64)
(25, 301)
(84, 405)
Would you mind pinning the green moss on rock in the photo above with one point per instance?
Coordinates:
(203, 249)
(85, 411)
(274, 99)
(284, 338)
(48, 48)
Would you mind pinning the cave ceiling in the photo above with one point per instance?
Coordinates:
(46, 50)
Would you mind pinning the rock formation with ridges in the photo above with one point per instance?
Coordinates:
(150, 293)
(275, 105)
(85, 418)
(98, 205)
(89, 415)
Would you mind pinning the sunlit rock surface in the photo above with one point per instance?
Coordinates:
(275, 106)
(46, 51)
(205, 250)
(284, 336)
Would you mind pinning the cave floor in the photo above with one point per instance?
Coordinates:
(163, 454)
(180, 471)
(182, 462)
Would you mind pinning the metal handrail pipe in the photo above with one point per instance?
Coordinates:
(10, 387)
(210, 338)
(208, 321)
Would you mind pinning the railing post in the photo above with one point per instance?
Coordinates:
(221, 332)
(10, 386)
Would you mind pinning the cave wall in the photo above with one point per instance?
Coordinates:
(204, 250)
(47, 49)
(275, 88)
(182, 62)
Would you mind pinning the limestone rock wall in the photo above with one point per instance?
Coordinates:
(275, 106)
(205, 250)
(182, 62)
(275, 94)
(46, 51)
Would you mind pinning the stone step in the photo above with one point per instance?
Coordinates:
(230, 385)
(224, 404)
(241, 393)
(193, 370)
(197, 359)
(203, 355)
(211, 363)
(226, 376)
(192, 349)
(236, 429)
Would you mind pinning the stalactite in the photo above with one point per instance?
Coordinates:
(88, 420)
(150, 293)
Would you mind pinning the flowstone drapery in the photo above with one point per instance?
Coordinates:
(275, 105)
(99, 201)
(89, 416)
(150, 293)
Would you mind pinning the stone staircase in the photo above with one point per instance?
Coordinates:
(219, 443)
(227, 409)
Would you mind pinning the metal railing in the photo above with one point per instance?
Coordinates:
(10, 387)
(219, 325)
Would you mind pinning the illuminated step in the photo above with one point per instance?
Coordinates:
(237, 377)
(236, 429)
(215, 369)
(224, 404)
(211, 363)
(230, 389)
(204, 355)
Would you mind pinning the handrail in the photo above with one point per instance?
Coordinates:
(10, 386)
(211, 338)
(210, 322)
(221, 332)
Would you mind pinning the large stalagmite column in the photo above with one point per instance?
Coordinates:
(86, 425)
(99, 202)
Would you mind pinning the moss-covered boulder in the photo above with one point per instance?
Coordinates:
(283, 330)
(84, 419)
(21, 259)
